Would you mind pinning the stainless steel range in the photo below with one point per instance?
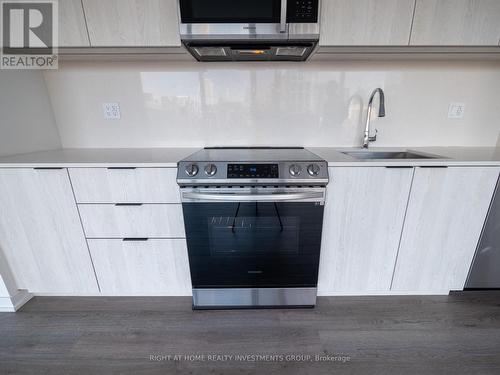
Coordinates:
(253, 220)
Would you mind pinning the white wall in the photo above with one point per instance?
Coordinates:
(311, 104)
(27, 123)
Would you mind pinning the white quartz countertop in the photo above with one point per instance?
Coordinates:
(100, 157)
(464, 156)
(168, 157)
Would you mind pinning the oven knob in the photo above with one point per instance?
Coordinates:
(313, 169)
(210, 169)
(295, 169)
(191, 170)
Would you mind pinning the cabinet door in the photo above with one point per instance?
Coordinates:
(146, 220)
(364, 216)
(41, 234)
(141, 185)
(445, 215)
(152, 267)
(72, 27)
(132, 23)
(366, 22)
(456, 22)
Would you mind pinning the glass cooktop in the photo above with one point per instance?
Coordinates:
(253, 154)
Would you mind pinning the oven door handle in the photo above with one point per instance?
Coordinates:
(253, 197)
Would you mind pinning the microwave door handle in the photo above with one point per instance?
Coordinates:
(283, 16)
(253, 197)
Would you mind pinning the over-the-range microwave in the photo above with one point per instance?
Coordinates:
(217, 30)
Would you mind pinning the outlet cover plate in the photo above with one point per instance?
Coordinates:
(456, 110)
(111, 111)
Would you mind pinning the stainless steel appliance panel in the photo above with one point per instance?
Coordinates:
(485, 270)
(249, 30)
(253, 220)
(253, 297)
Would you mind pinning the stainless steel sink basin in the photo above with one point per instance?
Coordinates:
(362, 154)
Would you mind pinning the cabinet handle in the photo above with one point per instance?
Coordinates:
(399, 167)
(121, 168)
(47, 168)
(129, 239)
(128, 204)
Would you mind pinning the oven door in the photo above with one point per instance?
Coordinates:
(246, 238)
(233, 19)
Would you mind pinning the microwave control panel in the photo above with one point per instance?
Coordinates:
(302, 11)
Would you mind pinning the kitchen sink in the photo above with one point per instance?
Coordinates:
(361, 154)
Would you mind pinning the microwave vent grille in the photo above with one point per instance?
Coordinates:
(291, 51)
(210, 51)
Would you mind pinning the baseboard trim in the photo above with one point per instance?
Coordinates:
(326, 293)
(14, 303)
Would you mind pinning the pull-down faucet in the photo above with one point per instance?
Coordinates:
(381, 113)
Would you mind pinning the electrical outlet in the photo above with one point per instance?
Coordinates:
(111, 111)
(456, 110)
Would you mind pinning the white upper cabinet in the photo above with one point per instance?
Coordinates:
(456, 23)
(132, 23)
(72, 27)
(366, 22)
(41, 233)
(364, 216)
(445, 215)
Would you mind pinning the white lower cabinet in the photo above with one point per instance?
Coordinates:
(145, 220)
(152, 267)
(364, 216)
(446, 212)
(386, 230)
(41, 234)
(125, 185)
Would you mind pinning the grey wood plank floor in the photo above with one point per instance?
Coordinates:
(456, 334)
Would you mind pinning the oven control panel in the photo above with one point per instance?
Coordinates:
(238, 173)
(252, 171)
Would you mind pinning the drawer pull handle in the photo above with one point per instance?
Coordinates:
(135, 239)
(128, 204)
(399, 166)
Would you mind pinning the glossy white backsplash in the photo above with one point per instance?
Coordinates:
(27, 123)
(311, 104)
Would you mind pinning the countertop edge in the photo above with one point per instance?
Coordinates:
(99, 158)
(87, 165)
(169, 157)
(440, 163)
(443, 156)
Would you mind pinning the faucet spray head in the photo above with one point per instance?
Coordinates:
(381, 108)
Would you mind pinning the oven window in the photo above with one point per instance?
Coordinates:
(252, 235)
(251, 244)
(230, 11)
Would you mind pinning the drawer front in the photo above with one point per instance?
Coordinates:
(139, 185)
(152, 267)
(147, 220)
